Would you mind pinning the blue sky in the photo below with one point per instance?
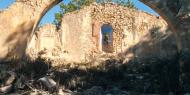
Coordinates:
(49, 17)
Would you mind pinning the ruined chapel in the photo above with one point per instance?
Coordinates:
(97, 29)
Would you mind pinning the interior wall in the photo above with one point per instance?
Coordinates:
(77, 35)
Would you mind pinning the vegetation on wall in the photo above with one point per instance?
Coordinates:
(78, 4)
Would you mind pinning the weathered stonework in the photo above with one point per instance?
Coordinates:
(80, 33)
(18, 23)
(126, 22)
(175, 12)
(177, 15)
(45, 38)
(17, 26)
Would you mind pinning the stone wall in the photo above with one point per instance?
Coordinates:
(76, 31)
(45, 38)
(135, 33)
(129, 25)
(16, 26)
(18, 22)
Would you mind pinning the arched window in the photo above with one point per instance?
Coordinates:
(107, 38)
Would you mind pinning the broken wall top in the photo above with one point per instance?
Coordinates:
(46, 30)
(18, 22)
(112, 13)
(122, 19)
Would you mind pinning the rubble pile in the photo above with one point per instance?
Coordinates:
(110, 77)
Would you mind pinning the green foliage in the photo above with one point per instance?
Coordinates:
(104, 1)
(78, 4)
(58, 17)
(128, 4)
(75, 5)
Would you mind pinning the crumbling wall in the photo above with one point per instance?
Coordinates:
(17, 23)
(73, 42)
(80, 33)
(76, 31)
(133, 27)
(46, 39)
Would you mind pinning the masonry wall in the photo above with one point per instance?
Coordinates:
(47, 40)
(17, 23)
(135, 34)
(126, 22)
(76, 31)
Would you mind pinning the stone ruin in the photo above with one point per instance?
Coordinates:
(80, 36)
(22, 18)
(19, 22)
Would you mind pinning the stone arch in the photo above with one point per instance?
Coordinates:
(18, 23)
(46, 9)
(157, 6)
(176, 14)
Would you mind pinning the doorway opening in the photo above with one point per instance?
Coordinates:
(107, 38)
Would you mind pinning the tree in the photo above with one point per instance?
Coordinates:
(128, 4)
(58, 19)
(71, 6)
(78, 4)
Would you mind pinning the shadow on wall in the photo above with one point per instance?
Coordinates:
(155, 43)
(16, 31)
(18, 39)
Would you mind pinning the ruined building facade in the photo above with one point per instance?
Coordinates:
(98, 29)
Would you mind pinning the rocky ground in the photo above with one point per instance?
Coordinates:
(108, 76)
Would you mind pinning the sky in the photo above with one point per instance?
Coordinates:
(49, 17)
